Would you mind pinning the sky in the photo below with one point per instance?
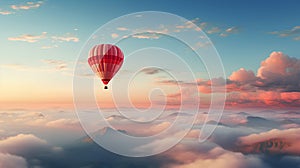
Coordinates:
(50, 99)
(41, 40)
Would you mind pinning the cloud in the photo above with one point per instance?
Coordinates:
(5, 12)
(280, 72)
(49, 46)
(15, 67)
(29, 38)
(189, 25)
(297, 38)
(122, 28)
(66, 38)
(242, 76)
(148, 35)
(27, 6)
(25, 145)
(273, 142)
(213, 30)
(277, 82)
(151, 71)
(229, 31)
(12, 161)
(216, 157)
(64, 123)
(293, 32)
(114, 35)
(201, 44)
(58, 64)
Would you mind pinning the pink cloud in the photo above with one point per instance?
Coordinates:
(242, 76)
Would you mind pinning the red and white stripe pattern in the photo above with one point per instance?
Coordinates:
(105, 60)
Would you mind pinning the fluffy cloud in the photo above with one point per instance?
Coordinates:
(28, 37)
(242, 76)
(14, 149)
(274, 142)
(27, 6)
(23, 144)
(279, 71)
(12, 161)
(64, 123)
(216, 157)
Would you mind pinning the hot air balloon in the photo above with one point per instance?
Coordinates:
(105, 60)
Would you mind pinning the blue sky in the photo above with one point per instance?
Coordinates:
(252, 43)
(62, 28)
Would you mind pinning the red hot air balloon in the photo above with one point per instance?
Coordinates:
(105, 60)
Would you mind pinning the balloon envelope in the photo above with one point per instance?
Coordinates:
(105, 60)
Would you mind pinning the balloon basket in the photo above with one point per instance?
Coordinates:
(105, 87)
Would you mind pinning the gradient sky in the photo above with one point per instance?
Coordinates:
(258, 42)
(41, 40)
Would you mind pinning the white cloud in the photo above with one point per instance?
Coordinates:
(25, 144)
(146, 36)
(213, 30)
(5, 12)
(49, 46)
(64, 123)
(27, 6)
(217, 157)
(114, 35)
(122, 28)
(66, 38)
(12, 161)
(28, 37)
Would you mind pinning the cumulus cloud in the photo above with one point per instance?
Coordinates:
(216, 157)
(23, 144)
(27, 6)
(12, 161)
(279, 71)
(64, 123)
(276, 83)
(242, 76)
(28, 37)
(274, 142)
